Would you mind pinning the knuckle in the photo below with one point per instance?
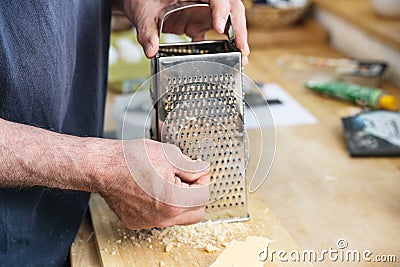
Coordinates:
(222, 7)
(237, 5)
(172, 211)
(168, 211)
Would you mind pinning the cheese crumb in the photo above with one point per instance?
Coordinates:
(210, 248)
(169, 247)
(162, 264)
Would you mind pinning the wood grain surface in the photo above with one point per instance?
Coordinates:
(319, 192)
(361, 14)
(307, 32)
(116, 248)
(83, 250)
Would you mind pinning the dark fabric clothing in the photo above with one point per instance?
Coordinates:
(53, 74)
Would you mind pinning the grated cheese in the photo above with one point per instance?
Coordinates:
(207, 236)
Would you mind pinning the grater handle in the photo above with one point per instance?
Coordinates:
(229, 31)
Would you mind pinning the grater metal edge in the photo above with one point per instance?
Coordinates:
(189, 102)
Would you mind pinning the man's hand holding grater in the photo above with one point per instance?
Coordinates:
(145, 15)
(153, 189)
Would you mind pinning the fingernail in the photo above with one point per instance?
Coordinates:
(147, 50)
(247, 48)
(151, 49)
(221, 25)
(245, 61)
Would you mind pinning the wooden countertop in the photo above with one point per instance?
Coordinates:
(306, 32)
(318, 193)
(361, 14)
(117, 246)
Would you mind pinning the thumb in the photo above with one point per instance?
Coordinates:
(194, 171)
(147, 31)
(187, 169)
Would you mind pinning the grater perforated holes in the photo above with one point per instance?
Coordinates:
(214, 102)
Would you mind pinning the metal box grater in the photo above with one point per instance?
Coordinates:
(198, 99)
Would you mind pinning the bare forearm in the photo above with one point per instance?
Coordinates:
(31, 156)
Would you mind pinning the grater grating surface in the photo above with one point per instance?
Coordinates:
(203, 115)
(203, 121)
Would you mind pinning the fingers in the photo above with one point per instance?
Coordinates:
(239, 23)
(164, 219)
(185, 168)
(220, 12)
(141, 201)
(147, 29)
(145, 16)
(194, 171)
(188, 216)
(165, 215)
(202, 180)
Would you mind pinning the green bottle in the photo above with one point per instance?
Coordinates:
(357, 94)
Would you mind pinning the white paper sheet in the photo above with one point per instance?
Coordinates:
(289, 112)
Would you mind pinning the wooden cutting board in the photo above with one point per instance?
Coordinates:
(115, 246)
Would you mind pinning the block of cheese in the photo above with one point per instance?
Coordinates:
(243, 253)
